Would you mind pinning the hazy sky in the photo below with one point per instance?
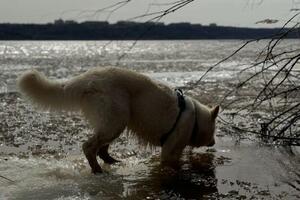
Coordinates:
(223, 12)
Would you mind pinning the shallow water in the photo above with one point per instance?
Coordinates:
(41, 152)
(226, 171)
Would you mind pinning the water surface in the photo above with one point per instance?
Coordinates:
(41, 151)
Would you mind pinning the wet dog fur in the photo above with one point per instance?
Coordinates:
(112, 99)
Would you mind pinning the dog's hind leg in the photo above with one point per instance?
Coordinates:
(90, 148)
(99, 143)
(108, 115)
(104, 155)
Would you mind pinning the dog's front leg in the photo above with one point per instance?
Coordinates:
(179, 138)
(170, 156)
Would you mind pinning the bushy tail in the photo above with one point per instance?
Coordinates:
(44, 93)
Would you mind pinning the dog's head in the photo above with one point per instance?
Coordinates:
(204, 127)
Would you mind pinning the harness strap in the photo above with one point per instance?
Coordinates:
(195, 128)
(181, 105)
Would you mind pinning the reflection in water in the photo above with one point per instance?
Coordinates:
(143, 180)
(196, 179)
(201, 176)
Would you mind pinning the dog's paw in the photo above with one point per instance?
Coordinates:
(111, 161)
(97, 170)
(172, 165)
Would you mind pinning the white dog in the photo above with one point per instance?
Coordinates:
(112, 99)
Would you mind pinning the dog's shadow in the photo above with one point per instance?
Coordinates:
(194, 180)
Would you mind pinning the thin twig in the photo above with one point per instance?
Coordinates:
(6, 178)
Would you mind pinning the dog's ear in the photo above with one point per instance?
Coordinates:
(214, 112)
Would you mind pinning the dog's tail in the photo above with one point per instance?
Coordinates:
(45, 93)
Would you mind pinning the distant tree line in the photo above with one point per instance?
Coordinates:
(126, 30)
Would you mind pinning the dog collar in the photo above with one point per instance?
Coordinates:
(181, 105)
